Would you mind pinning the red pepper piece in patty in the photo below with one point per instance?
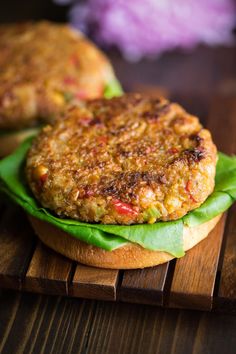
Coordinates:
(102, 140)
(43, 178)
(188, 188)
(74, 60)
(124, 208)
(85, 121)
(173, 150)
(81, 95)
(69, 80)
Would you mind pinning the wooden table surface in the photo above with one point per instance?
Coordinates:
(31, 323)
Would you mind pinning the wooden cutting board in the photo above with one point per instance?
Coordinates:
(204, 279)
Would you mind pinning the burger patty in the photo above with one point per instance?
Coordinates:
(127, 160)
(43, 68)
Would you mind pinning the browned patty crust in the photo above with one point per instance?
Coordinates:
(43, 67)
(126, 160)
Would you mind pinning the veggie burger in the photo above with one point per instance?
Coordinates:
(128, 182)
(44, 67)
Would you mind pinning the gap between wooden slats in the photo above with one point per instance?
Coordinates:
(94, 283)
(227, 287)
(17, 242)
(222, 123)
(144, 285)
(195, 273)
(48, 272)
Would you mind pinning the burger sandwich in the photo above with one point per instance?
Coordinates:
(129, 182)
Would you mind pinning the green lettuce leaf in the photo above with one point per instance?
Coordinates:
(13, 184)
(223, 196)
(163, 236)
(108, 237)
(113, 89)
(226, 175)
(215, 204)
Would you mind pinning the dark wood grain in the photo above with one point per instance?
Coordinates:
(226, 297)
(145, 286)
(222, 122)
(48, 272)
(31, 323)
(94, 283)
(16, 247)
(129, 328)
(52, 324)
(195, 273)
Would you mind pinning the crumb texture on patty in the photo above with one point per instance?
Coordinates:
(43, 68)
(127, 160)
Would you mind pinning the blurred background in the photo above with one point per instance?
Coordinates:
(184, 48)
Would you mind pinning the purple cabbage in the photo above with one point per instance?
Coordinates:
(148, 27)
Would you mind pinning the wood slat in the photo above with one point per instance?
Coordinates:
(16, 246)
(94, 283)
(134, 329)
(227, 288)
(222, 123)
(195, 273)
(144, 286)
(48, 272)
(31, 323)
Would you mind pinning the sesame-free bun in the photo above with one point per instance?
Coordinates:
(130, 256)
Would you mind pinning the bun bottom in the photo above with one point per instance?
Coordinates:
(130, 256)
(11, 140)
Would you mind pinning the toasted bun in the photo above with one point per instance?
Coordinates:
(10, 141)
(129, 256)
